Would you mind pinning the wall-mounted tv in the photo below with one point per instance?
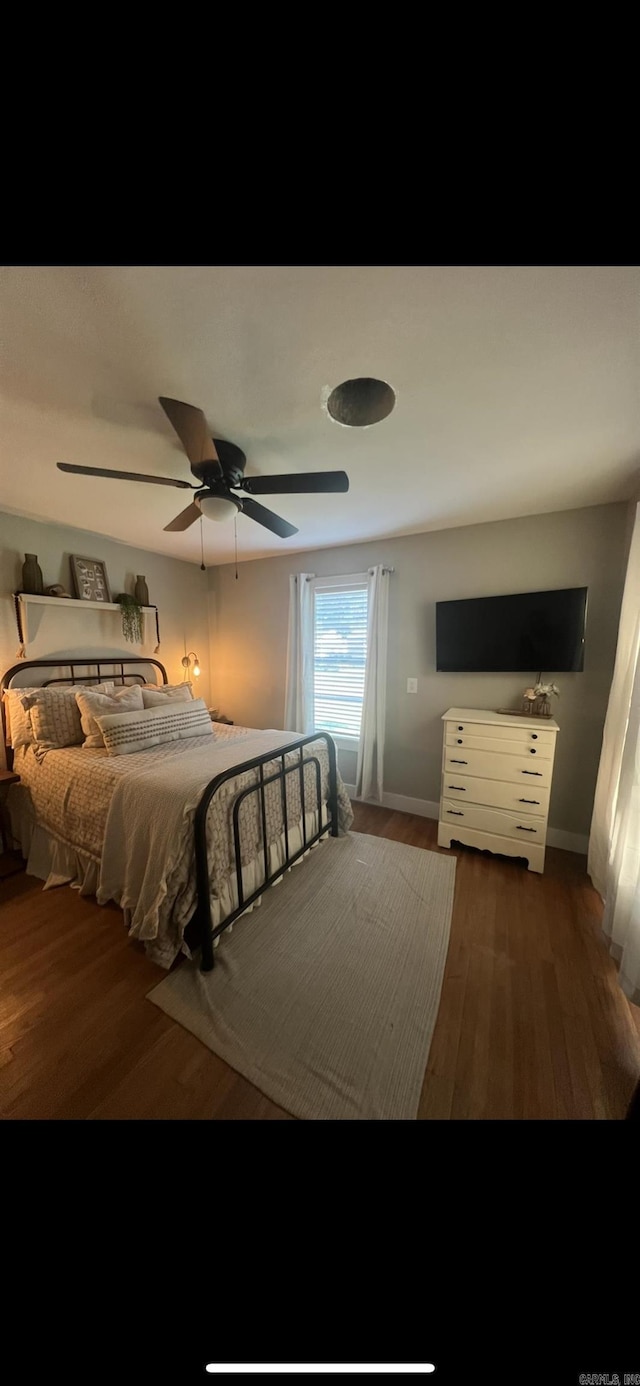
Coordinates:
(529, 632)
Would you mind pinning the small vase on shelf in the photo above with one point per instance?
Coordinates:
(32, 580)
(141, 591)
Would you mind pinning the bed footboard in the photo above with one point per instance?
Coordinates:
(206, 930)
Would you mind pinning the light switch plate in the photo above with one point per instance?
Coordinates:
(412, 685)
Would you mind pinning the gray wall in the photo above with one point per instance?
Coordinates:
(178, 589)
(572, 548)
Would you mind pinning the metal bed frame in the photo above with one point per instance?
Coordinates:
(207, 932)
(201, 920)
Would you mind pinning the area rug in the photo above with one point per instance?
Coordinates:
(326, 997)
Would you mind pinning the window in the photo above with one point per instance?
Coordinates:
(339, 653)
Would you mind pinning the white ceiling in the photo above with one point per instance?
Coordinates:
(517, 393)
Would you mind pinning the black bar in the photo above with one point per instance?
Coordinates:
(208, 933)
(333, 786)
(283, 788)
(71, 664)
(302, 804)
(264, 824)
(236, 846)
(318, 790)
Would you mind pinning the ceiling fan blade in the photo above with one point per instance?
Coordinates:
(267, 518)
(126, 476)
(297, 483)
(191, 427)
(185, 518)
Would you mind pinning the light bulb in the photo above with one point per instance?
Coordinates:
(196, 670)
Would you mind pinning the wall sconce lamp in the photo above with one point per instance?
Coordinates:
(186, 664)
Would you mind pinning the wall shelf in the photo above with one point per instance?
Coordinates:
(26, 600)
(26, 597)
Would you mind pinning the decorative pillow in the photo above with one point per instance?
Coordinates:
(92, 705)
(159, 697)
(18, 722)
(139, 731)
(54, 718)
(18, 718)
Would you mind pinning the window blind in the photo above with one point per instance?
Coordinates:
(340, 655)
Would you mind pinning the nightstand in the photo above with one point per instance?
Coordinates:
(7, 777)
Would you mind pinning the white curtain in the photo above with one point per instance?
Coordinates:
(614, 844)
(369, 774)
(298, 698)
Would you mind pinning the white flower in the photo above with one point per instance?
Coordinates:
(543, 690)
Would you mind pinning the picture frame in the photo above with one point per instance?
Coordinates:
(90, 579)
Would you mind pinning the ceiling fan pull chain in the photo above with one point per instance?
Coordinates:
(202, 548)
(235, 527)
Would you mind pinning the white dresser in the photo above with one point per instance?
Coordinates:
(496, 782)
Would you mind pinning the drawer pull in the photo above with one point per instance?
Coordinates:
(534, 736)
(528, 772)
(457, 813)
(465, 762)
(463, 788)
(460, 728)
(520, 801)
(525, 830)
(459, 740)
(532, 750)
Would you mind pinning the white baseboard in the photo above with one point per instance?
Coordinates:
(424, 808)
(427, 808)
(568, 842)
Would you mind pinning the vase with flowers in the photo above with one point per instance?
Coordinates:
(536, 701)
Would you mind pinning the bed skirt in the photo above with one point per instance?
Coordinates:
(59, 863)
(50, 860)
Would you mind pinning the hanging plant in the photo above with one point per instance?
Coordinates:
(131, 618)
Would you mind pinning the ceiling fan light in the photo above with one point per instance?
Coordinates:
(217, 507)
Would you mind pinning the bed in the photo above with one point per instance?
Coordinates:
(185, 836)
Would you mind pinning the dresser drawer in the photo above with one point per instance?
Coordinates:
(519, 798)
(544, 751)
(526, 828)
(531, 735)
(520, 769)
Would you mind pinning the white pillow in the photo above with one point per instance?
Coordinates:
(54, 717)
(93, 705)
(159, 697)
(18, 721)
(138, 731)
(18, 718)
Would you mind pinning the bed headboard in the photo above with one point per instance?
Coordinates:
(70, 671)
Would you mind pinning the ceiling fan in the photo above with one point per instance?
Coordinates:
(219, 467)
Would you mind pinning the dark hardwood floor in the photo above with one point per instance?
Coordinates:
(532, 1022)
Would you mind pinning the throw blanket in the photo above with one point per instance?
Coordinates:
(148, 858)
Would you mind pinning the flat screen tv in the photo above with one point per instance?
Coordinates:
(529, 632)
